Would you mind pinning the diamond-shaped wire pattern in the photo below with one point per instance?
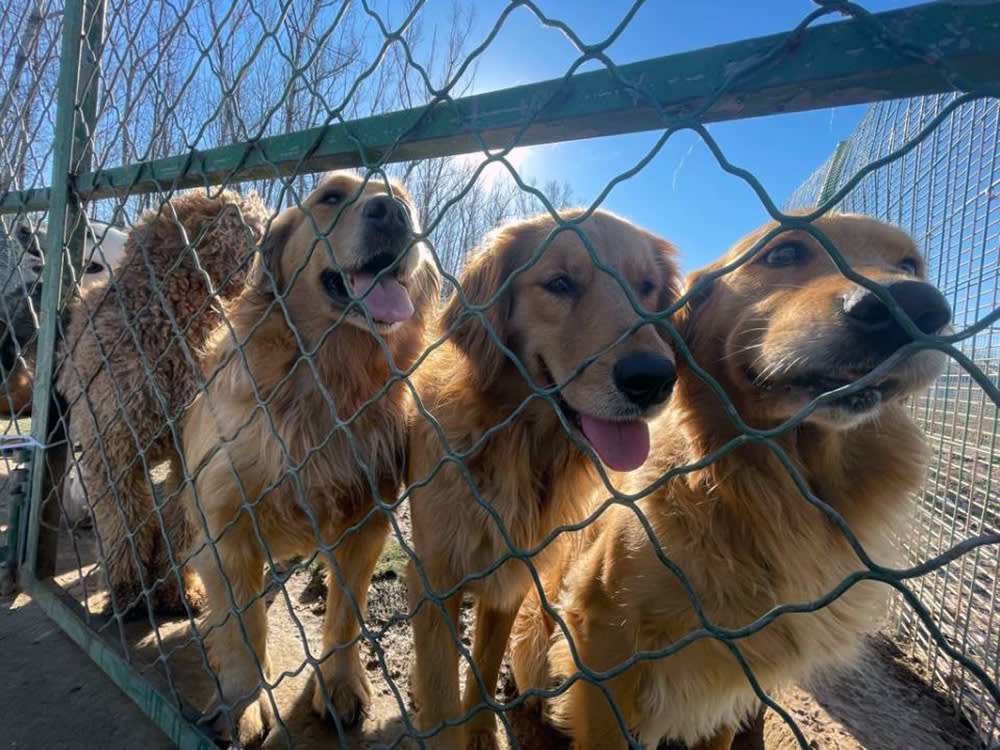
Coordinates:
(246, 395)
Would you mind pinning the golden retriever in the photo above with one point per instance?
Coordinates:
(301, 420)
(775, 333)
(570, 325)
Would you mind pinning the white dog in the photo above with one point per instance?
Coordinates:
(103, 248)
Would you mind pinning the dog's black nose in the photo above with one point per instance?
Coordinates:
(385, 214)
(645, 378)
(922, 302)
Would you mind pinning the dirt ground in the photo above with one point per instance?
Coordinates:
(59, 697)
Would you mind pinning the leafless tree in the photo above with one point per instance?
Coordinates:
(199, 74)
(29, 49)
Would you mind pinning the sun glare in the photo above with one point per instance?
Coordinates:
(517, 158)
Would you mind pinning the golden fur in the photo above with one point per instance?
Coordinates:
(740, 529)
(128, 368)
(311, 364)
(531, 472)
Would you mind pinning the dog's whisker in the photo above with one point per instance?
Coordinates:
(771, 369)
(791, 364)
(742, 350)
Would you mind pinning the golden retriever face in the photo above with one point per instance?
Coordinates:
(788, 326)
(348, 252)
(571, 323)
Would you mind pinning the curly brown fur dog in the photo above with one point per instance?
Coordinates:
(305, 476)
(556, 316)
(775, 333)
(129, 364)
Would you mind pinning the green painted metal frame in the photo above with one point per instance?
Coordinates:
(154, 704)
(829, 65)
(826, 66)
(70, 139)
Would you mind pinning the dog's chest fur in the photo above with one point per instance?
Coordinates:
(761, 545)
(342, 453)
(703, 687)
(327, 433)
(530, 473)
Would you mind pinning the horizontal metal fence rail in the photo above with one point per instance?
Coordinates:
(841, 63)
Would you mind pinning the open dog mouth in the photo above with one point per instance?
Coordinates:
(813, 384)
(622, 444)
(386, 298)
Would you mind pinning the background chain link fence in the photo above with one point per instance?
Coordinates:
(946, 193)
(139, 101)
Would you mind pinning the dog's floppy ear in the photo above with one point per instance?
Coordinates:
(670, 279)
(670, 290)
(425, 287)
(477, 337)
(272, 248)
(699, 288)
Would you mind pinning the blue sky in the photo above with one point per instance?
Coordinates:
(683, 194)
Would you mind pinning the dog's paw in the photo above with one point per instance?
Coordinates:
(127, 600)
(197, 598)
(482, 738)
(350, 696)
(252, 724)
(481, 732)
(168, 601)
(534, 705)
(451, 738)
(167, 598)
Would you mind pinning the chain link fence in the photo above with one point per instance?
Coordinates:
(170, 393)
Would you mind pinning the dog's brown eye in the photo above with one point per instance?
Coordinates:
(561, 286)
(331, 197)
(646, 288)
(93, 267)
(787, 254)
(909, 266)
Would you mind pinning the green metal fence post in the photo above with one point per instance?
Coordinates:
(76, 116)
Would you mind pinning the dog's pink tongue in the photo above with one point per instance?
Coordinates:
(622, 446)
(387, 302)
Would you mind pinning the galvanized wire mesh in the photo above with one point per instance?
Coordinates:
(29, 61)
(181, 80)
(945, 193)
